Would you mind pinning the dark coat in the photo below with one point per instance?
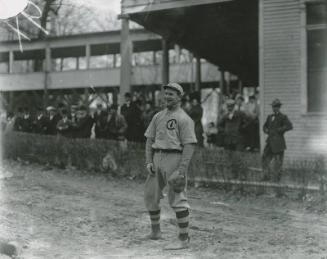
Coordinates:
(82, 128)
(64, 127)
(116, 127)
(232, 129)
(275, 126)
(135, 126)
(52, 124)
(100, 120)
(40, 125)
(27, 124)
(18, 124)
(196, 113)
(147, 116)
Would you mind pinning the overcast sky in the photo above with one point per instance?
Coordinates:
(113, 5)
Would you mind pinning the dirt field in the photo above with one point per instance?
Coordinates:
(69, 214)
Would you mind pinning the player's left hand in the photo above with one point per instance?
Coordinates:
(177, 181)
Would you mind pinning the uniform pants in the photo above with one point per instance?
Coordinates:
(165, 164)
(269, 156)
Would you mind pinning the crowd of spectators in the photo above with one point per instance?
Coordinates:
(79, 121)
(237, 127)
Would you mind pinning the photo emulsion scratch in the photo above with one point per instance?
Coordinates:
(10, 9)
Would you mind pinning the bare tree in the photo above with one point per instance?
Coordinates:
(83, 19)
(49, 8)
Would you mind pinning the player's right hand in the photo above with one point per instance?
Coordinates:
(150, 168)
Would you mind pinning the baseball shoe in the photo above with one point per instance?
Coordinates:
(154, 235)
(180, 244)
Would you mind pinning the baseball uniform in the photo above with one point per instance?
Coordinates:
(171, 130)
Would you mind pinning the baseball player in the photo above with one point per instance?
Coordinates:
(169, 148)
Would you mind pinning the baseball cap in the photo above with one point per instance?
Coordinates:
(175, 87)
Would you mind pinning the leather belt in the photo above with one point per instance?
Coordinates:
(158, 150)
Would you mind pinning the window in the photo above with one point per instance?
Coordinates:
(143, 58)
(4, 67)
(101, 61)
(316, 16)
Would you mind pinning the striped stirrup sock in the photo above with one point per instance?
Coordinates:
(182, 217)
(155, 218)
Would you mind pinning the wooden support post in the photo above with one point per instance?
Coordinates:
(86, 96)
(48, 59)
(126, 50)
(10, 71)
(192, 84)
(222, 81)
(228, 80)
(77, 63)
(154, 57)
(114, 60)
(11, 62)
(178, 53)
(240, 86)
(88, 55)
(115, 96)
(165, 62)
(11, 101)
(46, 75)
(198, 74)
(61, 64)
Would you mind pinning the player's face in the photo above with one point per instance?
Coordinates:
(172, 98)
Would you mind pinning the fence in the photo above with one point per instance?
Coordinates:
(208, 166)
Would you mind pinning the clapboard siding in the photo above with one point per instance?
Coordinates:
(281, 65)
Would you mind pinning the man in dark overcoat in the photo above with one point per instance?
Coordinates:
(275, 127)
(64, 125)
(18, 120)
(27, 122)
(52, 120)
(133, 116)
(40, 122)
(100, 120)
(84, 122)
(196, 113)
(232, 125)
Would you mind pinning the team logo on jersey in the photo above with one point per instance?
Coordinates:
(171, 124)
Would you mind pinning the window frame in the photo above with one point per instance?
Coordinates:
(304, 56)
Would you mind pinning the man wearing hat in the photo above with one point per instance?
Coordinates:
(53, 118)
(40, 121)
(116, 124)
(18, 120)
(133, 116)
(169, 149)
(27, 122)
(275, 127)
(232, 125)
(83, 125)
(100, 120)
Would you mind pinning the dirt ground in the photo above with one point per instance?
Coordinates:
(70, 214)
